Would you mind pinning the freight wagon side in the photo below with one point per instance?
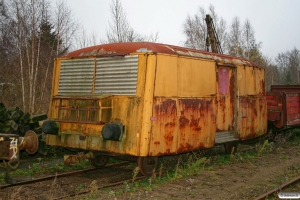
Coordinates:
(283, 104)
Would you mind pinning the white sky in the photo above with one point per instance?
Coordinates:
(275, 22)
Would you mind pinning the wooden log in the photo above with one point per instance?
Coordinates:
(12, 109)
(33, 125)
(11, 123)
(4, 114)
(8, 130)
(2, 107)
(37, 118)
(15, 115)
(24, 118)
(38, 130)
(23, 129)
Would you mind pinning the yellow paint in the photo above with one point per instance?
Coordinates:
(147, 106)
(196, 78)
(166, 76)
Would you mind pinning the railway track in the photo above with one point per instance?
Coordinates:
(60, 175)
(278, 189)
(98, 188)
(70, 184)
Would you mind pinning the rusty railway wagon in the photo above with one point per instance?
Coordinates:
(148, 100)
(283, 104)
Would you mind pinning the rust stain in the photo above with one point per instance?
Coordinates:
(263, 86)
(168, 106)
(195, 123)
(183, 121)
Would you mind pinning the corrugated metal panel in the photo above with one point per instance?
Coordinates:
(116, 75)
(76, 76)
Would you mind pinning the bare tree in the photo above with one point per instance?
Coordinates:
(195, 29)
(294, 65)
(289, 66)
(85, 40)
(65, 27)
(40, 35)
(235, 40)
(282, 63)
(120, 29)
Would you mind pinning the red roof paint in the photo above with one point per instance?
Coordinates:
(131, 47)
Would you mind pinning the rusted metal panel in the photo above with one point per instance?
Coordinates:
(285, 88)
(95, 110)
(88, 136)
(275, 109)
(252, 117)
(165, 125)
(76, 77)
(259, 75)
(241, 81)
(283, 108)
(250, 81)
(197, 124)
(181, 125)
(116, 76)
(292, 109)
(225, 98)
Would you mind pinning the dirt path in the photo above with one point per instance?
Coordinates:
(239, 180)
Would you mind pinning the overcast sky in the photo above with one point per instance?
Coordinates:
(275, 22)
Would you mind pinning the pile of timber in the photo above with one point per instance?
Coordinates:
(14, 121)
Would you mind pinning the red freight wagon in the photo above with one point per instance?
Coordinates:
(283, 106)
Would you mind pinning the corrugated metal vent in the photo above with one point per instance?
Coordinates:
(116, 75)
(76, 76)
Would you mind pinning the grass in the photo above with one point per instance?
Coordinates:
(186, 166)
(195, 164)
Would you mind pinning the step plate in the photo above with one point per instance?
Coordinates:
(226, 136)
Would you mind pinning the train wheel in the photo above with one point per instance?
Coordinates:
(231, 147)
(147, 165)
(99, 161)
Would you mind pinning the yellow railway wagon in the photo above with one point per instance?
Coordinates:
(148, 100)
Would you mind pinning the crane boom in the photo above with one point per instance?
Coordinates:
(212, 37)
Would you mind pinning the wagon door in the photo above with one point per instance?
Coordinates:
(226, 102)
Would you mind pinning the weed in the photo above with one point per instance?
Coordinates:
(93, 189)
(53, 187)
(264, 148)
(79, 187)
(135, 173)
(160, 170)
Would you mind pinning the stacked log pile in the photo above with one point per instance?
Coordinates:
(14, 121)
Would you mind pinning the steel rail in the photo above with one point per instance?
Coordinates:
(60, 175)
(278, 188)
(98, 188)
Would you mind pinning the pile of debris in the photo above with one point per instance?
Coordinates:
(14, 121)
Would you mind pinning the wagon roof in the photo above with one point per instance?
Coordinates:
(126, 48)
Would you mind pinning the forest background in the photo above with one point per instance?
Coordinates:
(34, 33)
